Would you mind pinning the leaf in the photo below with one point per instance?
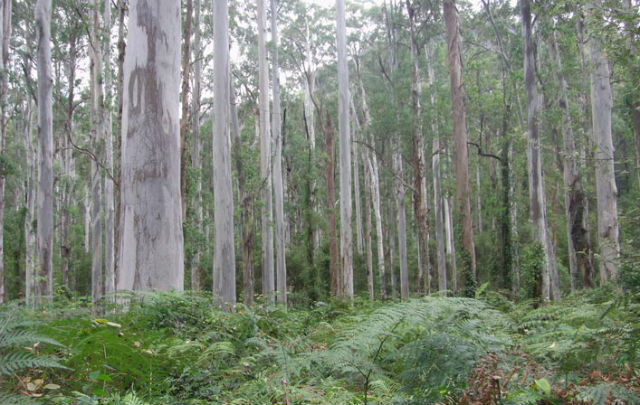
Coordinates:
(51, 386)
(544, 386)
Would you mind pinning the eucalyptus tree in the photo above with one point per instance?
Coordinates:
(606, 190)
(44, 279)
(460, 138)
(276, 132)
(268, 279)
(346, 233)
(224, 262)
(5, 35)
(151, 242)
(537, 199)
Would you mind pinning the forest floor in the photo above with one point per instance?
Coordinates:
(180, 349)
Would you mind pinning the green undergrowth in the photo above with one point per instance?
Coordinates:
(179, 348)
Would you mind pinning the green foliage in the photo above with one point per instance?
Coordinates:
(531, 265)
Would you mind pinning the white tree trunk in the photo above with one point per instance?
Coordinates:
(151, 251)
(606, 190)
(537, 198)
(401, 223)
(224, 258)
(268, 278)
(377, 212)
(451, 247)
(346, 234)
(44, 286)
(276, 124)
(355, 159)
(109, 195)
(30, 187)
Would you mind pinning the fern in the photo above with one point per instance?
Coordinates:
(600, 394)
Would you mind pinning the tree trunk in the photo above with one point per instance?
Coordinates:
(437, 193)
(151, 251)
(634, 73)
(368, 224)
(117, 167)
(184, 95)
(30, 253)
(224, 257)
(196, 160)
(334, 267)
(268, 278)
(276, 124)
(401, 222)
(460, 139)
(355, 158)
(44, 284)
(346, 237)
(537, 200)
(5, 35)
(574, 193)
(451, 247)
(606, 190)
(418, 160)
(109, 209)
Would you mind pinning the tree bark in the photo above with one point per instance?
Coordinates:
(418, 159)
(537, 200)
(268, 278)
(606, 190)
(30, 253)
(184, 95)
(276, 124)
(574, 193)
(151, 251)
(5, 35)
(460, 138)
(334, 267)
(437, 193)
(224, 257)
(346, 234)
(196, 159)
(44, 284)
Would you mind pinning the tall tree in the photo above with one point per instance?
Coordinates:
(224, 257)
(606, 190)
(196, 160)
(44, 282)
(268, 279)
(346, 233)
(151, 251)
(537, 200)
(276, 132)
(418, 159)
(184, 119)
(460, 137)
(5, 35)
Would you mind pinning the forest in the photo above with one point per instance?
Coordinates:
(319, 202)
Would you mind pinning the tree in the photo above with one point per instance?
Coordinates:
(276, 132)
(346, 232)
(44, 281)
(537, 200)
(606, 190)
(5, 35)
(460, 137)
(151, 251)
(224, 257)
(268, 279)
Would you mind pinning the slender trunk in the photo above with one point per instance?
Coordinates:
(109, 209)
(460, 137)
(276, 124)
(606, 190)
(44, 284)
(418, 160)
(334, 269)
(117, 167)
(368, 224)
(151, 242)
(196, 160)
(184, 95)
(5, 35)
(346, 237)
(451, 248)
(268, 277)
(634, 76)
(30, 187)
(355, 158)
(437, 193)
(401, 223)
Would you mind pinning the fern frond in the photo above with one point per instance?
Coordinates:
(14, 361)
